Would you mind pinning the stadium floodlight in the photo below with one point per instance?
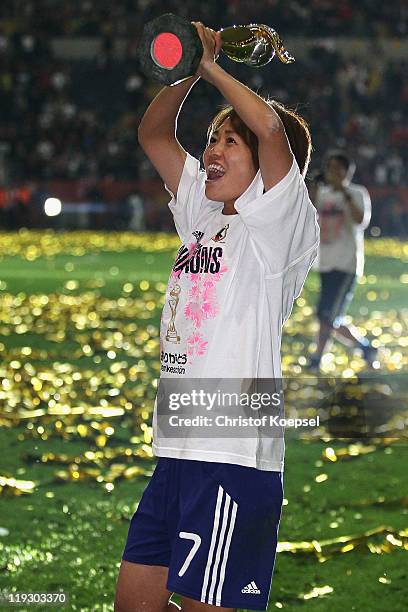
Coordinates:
(52, 207)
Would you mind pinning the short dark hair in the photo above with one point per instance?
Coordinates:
(296, 128)
(340, 156)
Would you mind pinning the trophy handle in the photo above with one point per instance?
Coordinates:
(254, 45)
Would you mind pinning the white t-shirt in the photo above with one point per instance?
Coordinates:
(231, 289)
(341, 238)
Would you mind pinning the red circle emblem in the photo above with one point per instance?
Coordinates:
(167, 50)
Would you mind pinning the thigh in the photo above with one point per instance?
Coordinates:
(141, 588)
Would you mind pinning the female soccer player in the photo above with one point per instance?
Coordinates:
(206, 527)
(344, 213)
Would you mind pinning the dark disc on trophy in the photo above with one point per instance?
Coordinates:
(170, 49)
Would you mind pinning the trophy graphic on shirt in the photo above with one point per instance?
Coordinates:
(171, 334)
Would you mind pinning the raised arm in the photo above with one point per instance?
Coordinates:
(275, 157)
(157, 132)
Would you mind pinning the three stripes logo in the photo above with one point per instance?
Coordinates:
(251, 588)
(223, 528)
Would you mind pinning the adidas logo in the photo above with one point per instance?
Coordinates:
(251, 588)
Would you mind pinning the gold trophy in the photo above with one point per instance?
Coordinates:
(170, 48)
(171, 334)
(255, 45)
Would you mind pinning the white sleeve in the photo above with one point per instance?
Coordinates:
(362, 199)
(187, 203)
(293, 281)
(283, 225)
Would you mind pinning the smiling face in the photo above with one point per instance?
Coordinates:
(229, 165)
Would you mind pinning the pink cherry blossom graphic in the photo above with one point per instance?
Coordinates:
(209, 303)
(196, 345)
(194, 312)
(210, 310)
(208, 284)
(195, 290)
(209, 293)
(202, 302)
(223, 268)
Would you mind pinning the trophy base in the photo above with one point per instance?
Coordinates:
(170, 49)
(173, 337)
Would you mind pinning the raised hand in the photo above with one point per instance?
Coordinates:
(211, 41)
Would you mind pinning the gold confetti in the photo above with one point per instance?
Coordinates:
(354, 450)
(317, 592)
(12, 486)
(76, 473)
(375, 540)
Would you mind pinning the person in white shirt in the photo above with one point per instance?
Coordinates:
(344, 212)
(206, 526)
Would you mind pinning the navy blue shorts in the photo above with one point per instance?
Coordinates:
(336, 292)
(214, 525)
